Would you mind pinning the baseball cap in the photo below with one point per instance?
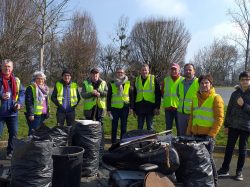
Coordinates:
(174, 65)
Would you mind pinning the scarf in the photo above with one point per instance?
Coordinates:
(41, 92)
(119, 82)
(6, 84)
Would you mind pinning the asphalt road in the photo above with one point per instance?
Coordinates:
(229, 181)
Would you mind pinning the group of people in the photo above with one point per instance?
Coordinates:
(188, 100)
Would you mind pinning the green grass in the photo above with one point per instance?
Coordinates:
(159, 124)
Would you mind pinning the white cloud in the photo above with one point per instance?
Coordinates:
(205, 37)
(164, 7)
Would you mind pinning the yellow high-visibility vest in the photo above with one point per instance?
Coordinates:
(18, 83)
(170, 98)
(89, 103)
(203, 115)
(185, 101)
(73, 93)
(147, 91)
(118, 100)
(38, 105)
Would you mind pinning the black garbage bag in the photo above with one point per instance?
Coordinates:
(59, 135)
(133, 155)
(87, 134)
(195, 165)
(31, 163)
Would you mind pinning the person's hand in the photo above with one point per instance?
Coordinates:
(109, 113)
(96, 93)
(130, 111)
(134, 114)
(61, 108)
(226, 131)
(5, 96)
(240, 101)
(17, 107)
(31, 118)
(156, 112)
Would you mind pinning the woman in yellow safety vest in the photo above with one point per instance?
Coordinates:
(207, 115)
(37, 101)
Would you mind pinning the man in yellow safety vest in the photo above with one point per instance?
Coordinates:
(119, 102)
(66, 97)
(147, 96)
(169, 94)
(187, 88)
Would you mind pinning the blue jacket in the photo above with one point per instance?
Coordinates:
(7, 106)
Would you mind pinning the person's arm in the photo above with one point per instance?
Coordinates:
(229, 111)
(84, 93)
(103, 93)
(54, 96)
(157, 95)
(218, 108)
(78, 96)
(109, 97)
(29, 102)
(131, 96)
(190, 122)
(162, 89)
(21, 95)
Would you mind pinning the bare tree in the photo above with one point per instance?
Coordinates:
(219, 59)
(79, 45)
(107, 58)
(49, 13)
(241, 17)
(159, 42)
(17, 41)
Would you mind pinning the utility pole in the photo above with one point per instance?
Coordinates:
(247, 49)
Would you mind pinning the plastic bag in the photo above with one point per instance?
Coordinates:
(87, 134)
(31, 163)
(195, 165)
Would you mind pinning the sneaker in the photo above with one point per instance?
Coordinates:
(222, 173)
(9, 156)
(239, 176)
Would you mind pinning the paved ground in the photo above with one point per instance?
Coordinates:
(102, 179)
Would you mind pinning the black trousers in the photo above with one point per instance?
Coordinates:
(233, 135)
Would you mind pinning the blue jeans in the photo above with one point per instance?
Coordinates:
(149, 120)
(182, 123)
(117, 114)
(36, 123)
(170, 116)
(12, 125)
(233, 135)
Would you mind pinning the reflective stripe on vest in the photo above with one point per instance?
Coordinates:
(170, 98)
(38, 105)
(18, 83)
(89, 103)
(73, 93)
(118, 100)
(203, 115)
(147, 91)
(185, 101)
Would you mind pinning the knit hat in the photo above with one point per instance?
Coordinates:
(66, 71)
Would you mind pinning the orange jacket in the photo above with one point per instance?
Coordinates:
(218, 108)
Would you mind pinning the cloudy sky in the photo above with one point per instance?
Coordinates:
(204, 19)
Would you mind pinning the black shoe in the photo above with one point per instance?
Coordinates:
(239, 176)
(222, 173)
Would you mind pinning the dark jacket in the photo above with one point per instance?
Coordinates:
(146, 107)
(109, 97)
(238, 117)
(7, 106)
(55, 101)
(29, 102)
